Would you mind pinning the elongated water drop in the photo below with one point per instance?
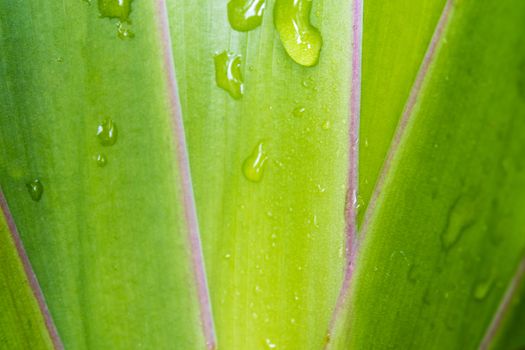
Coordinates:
(245, 15)
(228, 73)
(36, 189)
(460, 218)
(253, 166)
(107, 133)
(119, 9)
(300, 39)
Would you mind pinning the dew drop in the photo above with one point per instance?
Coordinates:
(460, 218)
(299, 112)
(228, 73)
(270, 344)
(245, 15)
(101, 160)
(107, 133)
(36, 189)
(300, 39)
(482, 289)
(123, 32)
(253, 166)
(326, 125)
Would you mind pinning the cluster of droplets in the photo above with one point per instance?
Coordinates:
(119, 10)
(301, 40)
(107, 134)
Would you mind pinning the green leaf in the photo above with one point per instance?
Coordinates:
(443, 237)
(109, 226)
(24, 321)
(270, 171)
(506, 329)
(396, 34)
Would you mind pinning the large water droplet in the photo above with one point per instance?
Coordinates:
(460, 218)
(36, 189)
(119, 9)
(300, 39)
(107, 133)
(228, 73)
(245, 15)
(253, 166)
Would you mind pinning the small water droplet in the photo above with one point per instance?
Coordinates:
(123, 32)
(101, 160)
(482, 289)
(107, 133)
(253, 166)
(326, 125)
(300, 39)
(299, 112)
(270, 344)
(460, 218)
(36, 189)
(228, 73)
(60, 59)
(245, 15)
(227, 256)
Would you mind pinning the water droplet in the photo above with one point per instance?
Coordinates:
(227, 256)
(35, 189)
(119, 9)
(270, 344)
(299, 112)
(101, 160)
(107, 133)
(123, 32)
(326, 125)
(300, 39)
(482, 289)
(60, 59)
(228, 73)
(253, 166)
(245, 15)
(460, 218)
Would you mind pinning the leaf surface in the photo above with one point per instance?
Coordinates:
(443, 237)
(24, 321)
(274, 244)
(109, 226)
